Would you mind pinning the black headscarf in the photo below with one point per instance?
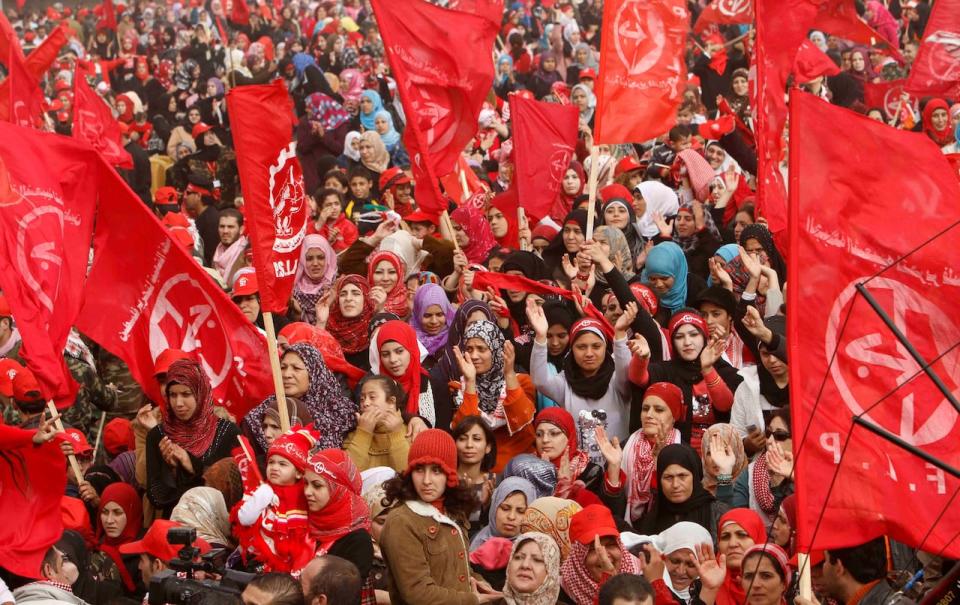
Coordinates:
(696, 509)
(532, 267)
(86, 587)
(556, 249)
(447, 362)
(589, 387)
(778, 348)
(759, 232)
(558, 313)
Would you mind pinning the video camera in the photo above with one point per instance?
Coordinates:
(178, 586)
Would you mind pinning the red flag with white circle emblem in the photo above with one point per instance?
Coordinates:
(724, 12)
(893, 226)
(94, 124)
(936, 70)
(48, 195)
(146, 294)
(642, 69)
(274, 199)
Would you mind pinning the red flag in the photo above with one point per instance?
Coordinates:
(32, 480)
(272, 181)
(37, 63)
(490, 9)
(887, 96)
(109, 15)
(642, 69)
(94, 124)
(25, 107)
(724, 12)
(8, 38)
(544, 137)
(839, 18)
(46, 222)
(936, 70)
(441, 60)
(781, 26)
(145, 294)
(249, 473)
(847, 359)
(454, 188)
(240, 13)
(811, 63)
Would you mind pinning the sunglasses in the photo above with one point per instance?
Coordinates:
(778, 435)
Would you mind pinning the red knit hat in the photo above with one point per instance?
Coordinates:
(434, 446)
(295, 445)
(684, 317)
(118, 436)
(671, 395)
(560, 418)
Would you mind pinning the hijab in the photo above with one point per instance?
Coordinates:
(732, 593)
(507, 487)
(325, 110)
(537, 471)
(595, 386)
(759, 232)
(620, 253)
(731, 438)
(204, 509)
(475, 225)
(333, 414)
(491, 385)
(660, 200)
(556, 249)
(697, 508)
(586, 114)
(381, 157)
(563, 420)
(368, 119)
(397, 296)
(349, 150)
(551, 516)
(351, 332)
(564, 202)
(667, 258)
(402, 334)
(346, 511)
(690, 242)
(197, 433)
(129, 500)
(392, 137)
(448, 362)
(576, 580)
(591, 62)
(426, 297)
(354, 81)
(308, 291)
(548, 592)
(940, 137)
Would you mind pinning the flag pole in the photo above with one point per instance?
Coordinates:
(521, 223)
(592, 190)
(70, 457)
(448, 226)
(275, 370)
(96, 444)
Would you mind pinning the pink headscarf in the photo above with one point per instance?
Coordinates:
(306, 285)
(354, 88)
(477, 228)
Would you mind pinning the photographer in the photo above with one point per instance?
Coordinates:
(59, 574)
(155, 549)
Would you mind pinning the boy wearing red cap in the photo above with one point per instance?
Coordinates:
(156, 551)
(271, 522)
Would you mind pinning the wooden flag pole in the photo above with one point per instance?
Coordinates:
(275, 370)
(521, 223)
(463, 184)
(70, 458)
(448, 227)
(96, 444)
(806, 586)
(592, 190)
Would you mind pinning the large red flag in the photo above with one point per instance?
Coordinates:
(145, 294)
(936, 70)
(725, 12)
(46, 220)
(642, 69)
(888, 96)
(441, 60)
(36, 64)
(274, 199)
(544, 136)
(491, 9)
(840, 18)
(94, 124)
(25, 106)
(8, 38)
(453, 186)
(844, 361)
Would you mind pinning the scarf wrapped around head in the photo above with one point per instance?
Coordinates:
(689, 243)
(381, 157)
(539, 472)
(620, 253)
(391, 137)
(563, 420)
(197, 433)
(695, 167)
(349, 150)
(328, 346)
(128, 499)
(731, 438)
(402, 334)
(351, 332)
(732, 593)
(346, 511)
(668, 259)
(354, 84)
(697, 508)
(551, 516)
(325, 110)
(204, 509)
(428, 296)
(759, 232)
(576, 580)
(448, 362)
(368, 119)
(660, 200)
(563, 203)
(548, 592)
(597, 385)
(475, 225)
(491, 385)
(397, 296)
(507, 487)
(308, 291)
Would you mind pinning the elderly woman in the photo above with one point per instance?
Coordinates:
(189, 438)
(597, 554)
(533, 571)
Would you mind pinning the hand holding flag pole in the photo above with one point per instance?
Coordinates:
(74, 465)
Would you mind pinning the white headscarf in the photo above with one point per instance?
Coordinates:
(660, 199)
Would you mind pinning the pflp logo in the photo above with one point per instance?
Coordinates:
(640, 36)
(287, 201)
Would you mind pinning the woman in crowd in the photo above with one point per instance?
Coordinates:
(351, 310)
(472, 233)
(719, 442)
(737, 531)
(120, 520)
(432, 318)
(205, 510)
(399, 358)
(508, 504)
(596, 555)
(533, 571)
(315, 275)
(386, 275)
(381, 436)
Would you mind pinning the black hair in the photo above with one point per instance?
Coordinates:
(458, 501)
(763, 553)
(390, 388)
(283, 589)
(678, 133)
(232, 213)
(625, 586)
(339, 580)
(749, 209)
(359, 171)
(468, 423)
(865, 563)
(50, 558)
(781, 413)
(338, 174)
(497, 252)
(323, 193)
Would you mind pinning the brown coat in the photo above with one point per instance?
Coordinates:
(427, 554)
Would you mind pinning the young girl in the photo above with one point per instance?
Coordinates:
(422, 541)
(381, 435)
(271, 522)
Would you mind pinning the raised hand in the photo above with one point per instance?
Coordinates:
(509, 357)
(47, 429)
(625, 320)
(712, 353)
(612, 453)
(568, 268)
(719, 274)
(467, 369)
(666, 229)
(639, 346)
(722, 454)
(712, 571)
(146, 417)
(415, 427)
(652, 569)
(754, 324)
(779, 461)
(379, 297)
(750, 263)
(606, 563)
(537, 319)
(367, 421)
(322, 308)
(497, 304)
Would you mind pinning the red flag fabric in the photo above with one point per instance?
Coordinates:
(240, 12)
(274, 198)
(811, 63)
(109, 15)
(840, 18)
(441, 61)
(46, 223)
(8, 38)
(454, 188)
(32, 480)
(25, 106)
(847, 358)
(249, 472)
(780, 28)
(936, 70)
(37, 63)
(887, 96)
(94, 124)
(544, 137)
(145, 294)
(724, 12)
(490, 9)
(642, 70)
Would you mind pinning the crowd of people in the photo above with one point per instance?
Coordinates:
(452, 442)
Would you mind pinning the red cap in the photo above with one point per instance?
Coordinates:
(155, 542)
(30, 36)
(8, 371)
(166, 359)
(626, 164)
(4, 307)
(245, 285)
(165, 195)
(199, 128)
(420, 216)
(392, 177)
(295, 446)
(78, 440)
(615, 191)
(25, 387)
(712, 130)
(118, 436)
(61, 84)
(588, 74)
(594, 520)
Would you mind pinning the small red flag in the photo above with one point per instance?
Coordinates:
(811, 63)
(454, 188)
(145, 294)
(46, 223)
(849, 361)
(8, 38)
(840, 18)
(642, 69)
(724, 12)
(36, 64)
(936, 70)
(240, 13)
(272, 181)
(441, 60)
(25, 107)
(888, 95)
(544, 137)
(94, 124)
(109, 15)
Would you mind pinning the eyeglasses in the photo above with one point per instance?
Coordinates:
(778, 435)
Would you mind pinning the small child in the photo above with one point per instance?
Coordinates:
(271, 521)
(381, 435)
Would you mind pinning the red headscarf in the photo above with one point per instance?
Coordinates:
(126, 497)
(940, 137)
(328, 346)
(403, 334)
(507, 203)
(351, 332)
(397, 302)
(732, 593)
(196, 433)
(563, 204)
(346, 511)
(563, 420)
(475, 225)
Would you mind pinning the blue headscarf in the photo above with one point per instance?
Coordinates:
(392, 137)
(301, 61)
(504, 58)
(667, 258)
(727, 253)
(508, 486)
(367, 119)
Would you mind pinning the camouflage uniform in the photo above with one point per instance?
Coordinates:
(129, 395)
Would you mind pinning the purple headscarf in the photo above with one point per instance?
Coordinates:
(428, 295)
